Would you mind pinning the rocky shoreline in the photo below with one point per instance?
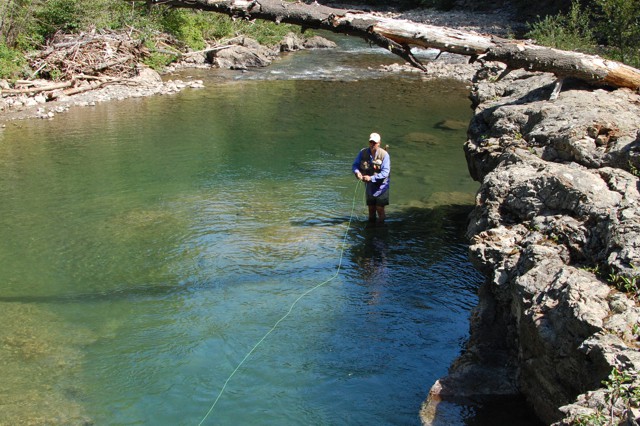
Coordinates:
(556, 217)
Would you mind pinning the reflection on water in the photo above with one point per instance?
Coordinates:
(147, 245)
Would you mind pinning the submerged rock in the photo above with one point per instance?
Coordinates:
(451, 125)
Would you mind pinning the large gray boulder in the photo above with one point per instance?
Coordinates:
(247, 53)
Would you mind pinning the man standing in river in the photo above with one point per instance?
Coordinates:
(373, 167)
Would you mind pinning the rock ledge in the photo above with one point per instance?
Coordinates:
(556, 213)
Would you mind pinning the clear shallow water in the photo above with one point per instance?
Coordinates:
(147, 245)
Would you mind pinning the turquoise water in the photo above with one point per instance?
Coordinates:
(149, 244)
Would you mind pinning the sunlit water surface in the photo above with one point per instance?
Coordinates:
(148, 245)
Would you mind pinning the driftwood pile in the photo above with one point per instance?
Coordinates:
(77, 63)
(108, 54)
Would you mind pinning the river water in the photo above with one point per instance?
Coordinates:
(194, 259)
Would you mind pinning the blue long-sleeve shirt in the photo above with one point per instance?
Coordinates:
(379, 181)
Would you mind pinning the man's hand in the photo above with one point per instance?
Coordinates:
(366, 178)
(359, 175)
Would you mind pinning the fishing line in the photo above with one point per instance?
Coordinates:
(334, 276)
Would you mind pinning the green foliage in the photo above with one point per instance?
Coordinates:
(621, 394)
(220, 26)
(118, 15)
(27, 24)
(568, 32)
(613, 23)
(185, 26)
(619, 24)
(158, 61)
(264, 32)
(596, 419)
(593, 269)
(620, 388)
(12, 63)
(194, 28)
(59, 15)
(626, 284)
(18, 24)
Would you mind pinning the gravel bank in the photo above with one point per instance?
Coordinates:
(501, 23)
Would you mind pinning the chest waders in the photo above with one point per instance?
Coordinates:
(367, 167)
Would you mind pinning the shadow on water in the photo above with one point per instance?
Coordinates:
(327, 221)
(431, 231)
(506, 410)
(374, 243)
(433, 236)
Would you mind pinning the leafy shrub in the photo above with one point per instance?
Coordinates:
(264, 32)
(158, 61)
(613, 23)
(620, 27)
(12, 63)
(18, 25)
(185, 26)
(59, 15)
(27, 24)
(220, 26)
(628, 284)
(621, 394)
(571, 31)
(117, 15)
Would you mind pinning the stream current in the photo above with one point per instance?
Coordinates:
(147, 245)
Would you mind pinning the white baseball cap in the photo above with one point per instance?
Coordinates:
(374, 137)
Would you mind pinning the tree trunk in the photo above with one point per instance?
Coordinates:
(399, 35)
(37, 89)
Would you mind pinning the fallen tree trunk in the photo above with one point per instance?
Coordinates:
(399, 35)
(80, 89)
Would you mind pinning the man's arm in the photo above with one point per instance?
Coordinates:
(356, 166)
